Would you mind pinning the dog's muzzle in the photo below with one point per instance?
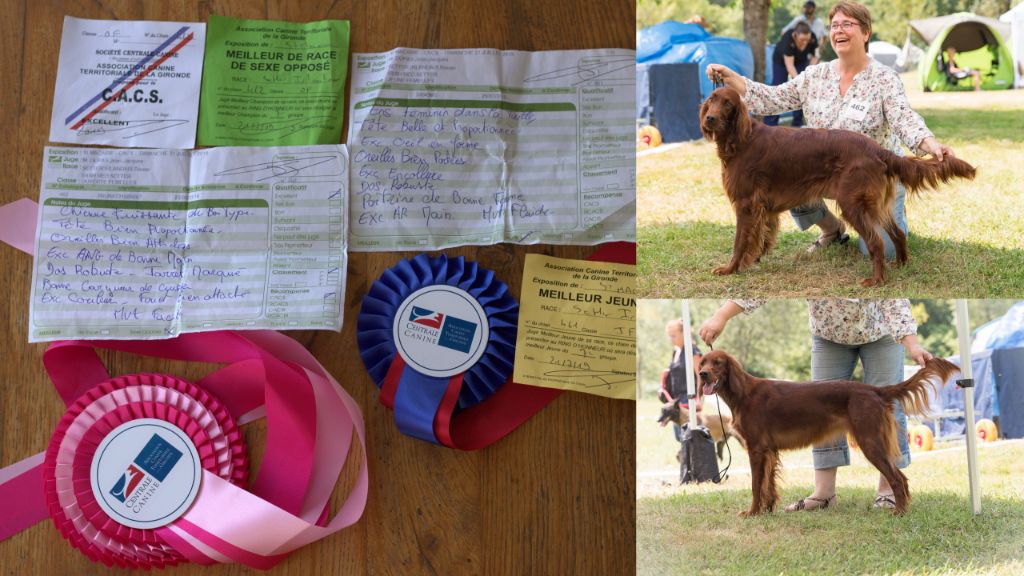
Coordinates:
(706, 383)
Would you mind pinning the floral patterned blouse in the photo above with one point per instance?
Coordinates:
(875, 104)
(851, 321)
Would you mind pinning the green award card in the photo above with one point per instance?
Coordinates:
(270, 83)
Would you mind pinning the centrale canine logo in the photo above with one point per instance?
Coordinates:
(130, 480)
(426, 317)
(145, 473)
(440, 329)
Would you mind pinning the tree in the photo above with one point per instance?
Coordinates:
(755, 29)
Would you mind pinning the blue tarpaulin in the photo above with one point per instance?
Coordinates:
(675, 42)
(997, 360)
(1007, 331)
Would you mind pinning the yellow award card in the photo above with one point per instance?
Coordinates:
(577, 326)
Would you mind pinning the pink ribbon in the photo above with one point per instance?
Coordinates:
(311, 425)
(18, 224)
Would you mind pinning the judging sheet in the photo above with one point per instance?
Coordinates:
(577, 326)
(142, 244)
(130, 84)
(479, 146)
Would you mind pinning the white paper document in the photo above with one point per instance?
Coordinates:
(145, 244)
(479, 146)
(129, 84)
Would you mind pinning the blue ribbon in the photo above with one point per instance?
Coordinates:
(419, 396)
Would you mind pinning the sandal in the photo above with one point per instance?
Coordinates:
(885, 501)
(811, 504)
(826, 240)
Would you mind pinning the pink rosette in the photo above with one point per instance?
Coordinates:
(87, 422)
(311, 424)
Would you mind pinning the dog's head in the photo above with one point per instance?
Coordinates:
(670, 413)
(724, 119)
(722, 374)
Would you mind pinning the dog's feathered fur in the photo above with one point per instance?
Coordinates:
(767, 170)
(773, 415)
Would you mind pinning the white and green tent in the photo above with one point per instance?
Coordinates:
(980, 45)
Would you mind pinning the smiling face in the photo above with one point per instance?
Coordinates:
(848, 36)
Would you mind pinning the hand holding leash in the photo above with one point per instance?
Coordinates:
(723, 76)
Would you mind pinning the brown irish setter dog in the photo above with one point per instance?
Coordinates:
(767, 170)
(774, 415)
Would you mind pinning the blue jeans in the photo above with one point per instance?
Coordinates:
(882, 361)
(807, 215)
(780, 76)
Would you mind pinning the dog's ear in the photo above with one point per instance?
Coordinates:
(737, 377)
(708, 135)
(744, 125)
(740, 123)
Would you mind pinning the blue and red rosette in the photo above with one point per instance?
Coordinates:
(425, 405)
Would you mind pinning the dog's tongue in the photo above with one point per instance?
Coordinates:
(708, 389)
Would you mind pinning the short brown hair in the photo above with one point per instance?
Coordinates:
(858, 12)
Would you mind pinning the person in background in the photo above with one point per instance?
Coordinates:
(961, 73)
(698, 20)
(675, 383)
(792, 54)
(816, 24)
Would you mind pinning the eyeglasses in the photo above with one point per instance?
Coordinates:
(846, 26)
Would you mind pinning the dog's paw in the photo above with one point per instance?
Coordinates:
(747, 514)
(723, 270)
(869, 282)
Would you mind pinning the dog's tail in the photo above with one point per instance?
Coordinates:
(913, 393)
(918, 174)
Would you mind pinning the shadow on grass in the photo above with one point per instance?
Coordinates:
(701, 532)
(675, 260)
(975, 124)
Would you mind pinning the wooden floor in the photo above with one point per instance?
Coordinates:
(556, 497)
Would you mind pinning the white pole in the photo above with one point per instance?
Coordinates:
(963, 329)
(691, 386)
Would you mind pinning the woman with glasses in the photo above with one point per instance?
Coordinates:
(853, 92)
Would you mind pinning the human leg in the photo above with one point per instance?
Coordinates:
(818, 214)
(832, 361)
(798, 118)
(829, 361)
(899, 216)
(883, 366)
(779, 76)
(798, 115)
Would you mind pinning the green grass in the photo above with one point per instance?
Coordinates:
(965, 239)
(694, 529)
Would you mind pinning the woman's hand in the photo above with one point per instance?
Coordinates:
(914, 349)
(727, 76)
(712, 328)
(936, 148)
